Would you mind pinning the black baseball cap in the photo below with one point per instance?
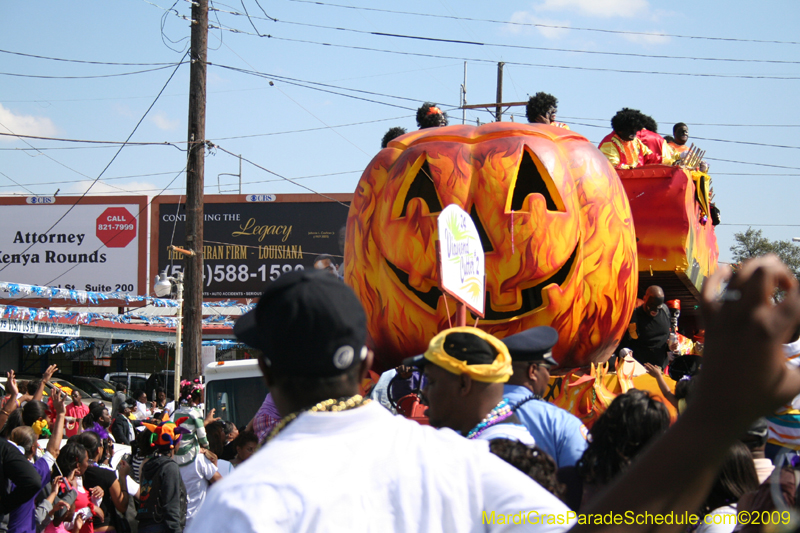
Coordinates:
(307, 323)
(465, 346)
(533, 345)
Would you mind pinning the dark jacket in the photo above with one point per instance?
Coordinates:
(163, 495)
(119, 429)
(27, 481)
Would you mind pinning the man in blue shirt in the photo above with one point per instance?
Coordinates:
(556, 431)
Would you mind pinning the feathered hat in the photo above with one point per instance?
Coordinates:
(167, 434)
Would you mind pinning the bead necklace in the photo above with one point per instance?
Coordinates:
(327, 406)
(501, 411)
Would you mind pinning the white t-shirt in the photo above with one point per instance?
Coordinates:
(720, 520)
(195, 477)
(224, 467)
(142, 411)
(367, 470)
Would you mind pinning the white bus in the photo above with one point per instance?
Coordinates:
(236, 389)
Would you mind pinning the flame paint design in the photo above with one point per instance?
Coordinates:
(588, 239)
(587, 396)
(679, 242)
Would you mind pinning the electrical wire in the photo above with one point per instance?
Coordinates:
(535, 65)
(103, 180)
(85, 61)
(537, 48)
(88, 77)
(309, 85)
(550, 26)
(110, 162)
(279, 176)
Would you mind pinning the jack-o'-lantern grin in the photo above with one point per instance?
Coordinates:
(531, 297)
(529, 180)
(551, 215)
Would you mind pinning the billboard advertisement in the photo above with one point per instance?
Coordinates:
(94, 243)
(251, 240)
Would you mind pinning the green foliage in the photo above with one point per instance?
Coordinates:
(752, 243)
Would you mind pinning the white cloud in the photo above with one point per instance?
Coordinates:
(125, 111)
(599, 8)
(650, 38)
(524, 17)
(163, 123)
(11, 122)
(111, 188)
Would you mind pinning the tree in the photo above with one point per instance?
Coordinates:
(752, 244)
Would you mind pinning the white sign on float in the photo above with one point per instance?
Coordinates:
(462, 266)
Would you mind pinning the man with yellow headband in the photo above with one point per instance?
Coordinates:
(465, 369)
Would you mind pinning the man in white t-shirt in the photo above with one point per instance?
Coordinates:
(197, 477)
(338, 462)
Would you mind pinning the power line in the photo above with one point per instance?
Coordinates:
(267, 76)
(526, 47)
(281, 177)
(110, 162)
(87, 141)
(763, 225)
(551, 26)
(85, 61)
(87, 77)
(104, 179)
(597, 69)
(536, 65)
(212, 185)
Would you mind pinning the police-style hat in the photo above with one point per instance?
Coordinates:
(533, 345)
(307, 323)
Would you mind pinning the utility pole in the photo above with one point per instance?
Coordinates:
(195, 167)
(498, 115)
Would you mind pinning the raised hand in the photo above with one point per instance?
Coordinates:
(744, 368)
(48, 374)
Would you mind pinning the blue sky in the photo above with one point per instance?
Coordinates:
(730, 88)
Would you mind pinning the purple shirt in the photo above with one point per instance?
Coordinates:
(266, 418)
(21, 520)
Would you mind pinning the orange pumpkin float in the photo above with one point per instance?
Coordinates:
(554, 221)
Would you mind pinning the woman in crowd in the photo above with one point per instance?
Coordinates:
(532, 461)
(737, 477)
(97, 475)
(246, 445)
(76, 410)
(632, 420)
(72, 463)
(143, 409)
(215, 433)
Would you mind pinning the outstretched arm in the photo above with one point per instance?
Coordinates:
(47, 376)
(54, 444)
(655, 371)
(743, 370)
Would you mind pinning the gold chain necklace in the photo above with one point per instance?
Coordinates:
(327, 406)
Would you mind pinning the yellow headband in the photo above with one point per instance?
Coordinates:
(497, 372)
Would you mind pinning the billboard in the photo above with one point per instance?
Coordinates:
(94, 243)
(251, 240)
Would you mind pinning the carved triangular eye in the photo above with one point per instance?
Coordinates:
(485, 242)
(423, 187)
(533, 178)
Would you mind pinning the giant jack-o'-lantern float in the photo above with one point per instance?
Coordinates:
(554, 221)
